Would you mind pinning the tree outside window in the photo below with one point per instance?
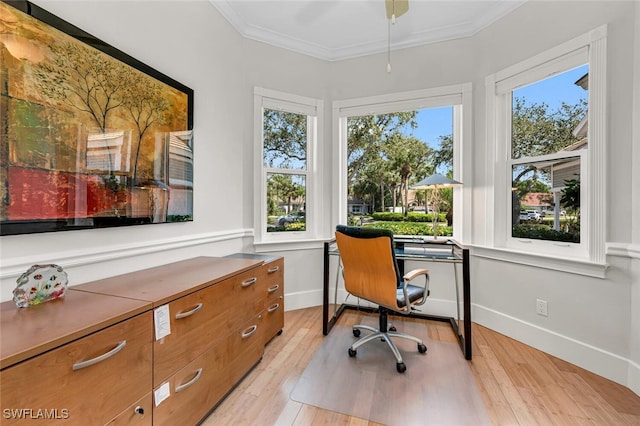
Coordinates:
(386, 154)
(285, 144)
(548, 139)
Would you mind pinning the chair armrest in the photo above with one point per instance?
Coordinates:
(415, 273)
(411, 275)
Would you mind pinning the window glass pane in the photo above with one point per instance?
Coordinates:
(546, 200)
(551, 115)
(285, 140)
(386, 155)
(286, 202)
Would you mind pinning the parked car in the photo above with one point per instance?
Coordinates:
(298, 216)
(529, 215)
(533, 215)
(551, 213)
(422, 209)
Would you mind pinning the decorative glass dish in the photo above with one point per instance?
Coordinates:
(39, 284)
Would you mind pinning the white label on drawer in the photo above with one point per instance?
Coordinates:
(162, 393)
(162, 321)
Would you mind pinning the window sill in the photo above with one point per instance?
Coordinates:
(287, 245)
(571, 266)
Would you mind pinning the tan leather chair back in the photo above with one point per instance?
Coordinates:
(369, 270)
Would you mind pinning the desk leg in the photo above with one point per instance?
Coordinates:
(466, 296)
(327, 323)
(400, 262)
(325, 292)
(457, 284)
(335, 288)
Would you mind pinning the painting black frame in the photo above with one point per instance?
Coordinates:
(15, 227)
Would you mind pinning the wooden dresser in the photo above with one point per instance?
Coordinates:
(158, 346)
(271, 286)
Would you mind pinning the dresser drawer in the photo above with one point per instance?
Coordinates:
(274, 304)
(201, 319)
(274, 274)
(246, 347)
(85, 382)
(197, 388)
(273, 315)
(138, 414)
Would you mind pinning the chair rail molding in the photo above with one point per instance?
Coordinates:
(12, 268)
(623, 250)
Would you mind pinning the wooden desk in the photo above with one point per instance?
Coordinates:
(422, 249)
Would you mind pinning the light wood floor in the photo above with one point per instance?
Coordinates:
(519, 385)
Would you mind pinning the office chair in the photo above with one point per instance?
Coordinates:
(371, 273)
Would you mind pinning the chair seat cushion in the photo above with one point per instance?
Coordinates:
(414, 293)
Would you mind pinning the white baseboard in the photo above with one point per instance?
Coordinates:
(596, 360)
(307, 299)
(302, 299)
(634, 377)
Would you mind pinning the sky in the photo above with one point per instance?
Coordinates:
(434, 122)
(554, 90)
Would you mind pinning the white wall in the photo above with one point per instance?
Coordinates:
(634, 250)
(592, 322)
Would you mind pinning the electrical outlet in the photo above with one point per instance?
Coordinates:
(541, 307)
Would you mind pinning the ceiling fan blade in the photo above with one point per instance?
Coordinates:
(396, 7)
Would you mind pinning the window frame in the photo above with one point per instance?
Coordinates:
(458, 96)
(587, 257)
(313, 109)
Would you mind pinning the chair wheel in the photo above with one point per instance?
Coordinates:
(422, 348)
(401, 367)
(356, 332)
(392, 328)
(352, 352)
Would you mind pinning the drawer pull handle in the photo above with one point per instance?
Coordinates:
(249, 331)
(190, 382)
(273, 308)
(274, 288)
(274, 269)
(189, 313)
(87, 363)
(250, 281)
(139, 410)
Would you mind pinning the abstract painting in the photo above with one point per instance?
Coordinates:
(89, 136)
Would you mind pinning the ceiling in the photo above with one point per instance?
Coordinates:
(341, 29)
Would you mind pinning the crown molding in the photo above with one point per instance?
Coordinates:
(318, 50)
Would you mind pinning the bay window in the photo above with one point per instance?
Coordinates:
(546, 121)
(286, 133)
